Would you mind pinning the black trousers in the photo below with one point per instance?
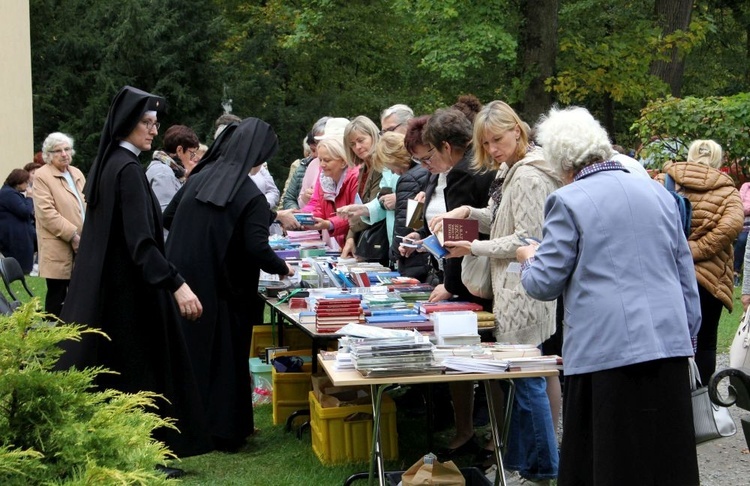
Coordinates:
(57, 289)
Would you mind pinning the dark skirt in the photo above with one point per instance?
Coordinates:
(629, 425)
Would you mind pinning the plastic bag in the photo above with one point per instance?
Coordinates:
(262, 391)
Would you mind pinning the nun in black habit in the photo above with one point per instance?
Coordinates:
(123, 284)
(218, 240)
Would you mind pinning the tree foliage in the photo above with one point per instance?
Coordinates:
(84, 51)
(54, 428)
(292, 61)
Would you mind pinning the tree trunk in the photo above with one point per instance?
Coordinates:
(608, 117)
(672, 15)
(537, 54)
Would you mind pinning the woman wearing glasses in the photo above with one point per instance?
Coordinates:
(170, 166)
(123, 284)
(59, 207)
(446, 153)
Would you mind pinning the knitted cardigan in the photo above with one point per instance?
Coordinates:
(518, 317)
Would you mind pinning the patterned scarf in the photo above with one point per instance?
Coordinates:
(330, 187)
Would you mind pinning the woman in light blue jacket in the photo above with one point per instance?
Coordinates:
(613, 247)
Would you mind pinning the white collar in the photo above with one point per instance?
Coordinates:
(131, 147)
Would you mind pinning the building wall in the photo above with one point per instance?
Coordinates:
(16, 116)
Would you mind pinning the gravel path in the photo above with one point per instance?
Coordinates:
(726, 461)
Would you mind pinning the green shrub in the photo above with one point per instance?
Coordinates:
(668, 126)
(54, 427)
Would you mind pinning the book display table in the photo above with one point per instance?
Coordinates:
(380, 384)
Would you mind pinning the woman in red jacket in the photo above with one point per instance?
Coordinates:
(336, 187)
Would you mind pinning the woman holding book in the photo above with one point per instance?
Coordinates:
(515, 212)
(446, 153)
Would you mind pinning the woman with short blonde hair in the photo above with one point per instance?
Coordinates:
(706, 152)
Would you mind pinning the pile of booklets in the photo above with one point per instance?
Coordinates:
(388, 310)
(413, 292)
(494, 358)
(332, 313)
(394, 356)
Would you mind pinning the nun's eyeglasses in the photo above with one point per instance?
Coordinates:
(149, 125)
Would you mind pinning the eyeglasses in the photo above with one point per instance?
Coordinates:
(149, 125)
(390, 129)
(426, 160)
(193, 153)
(67, 150)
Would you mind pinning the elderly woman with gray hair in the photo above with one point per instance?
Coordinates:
(614, 248)
(59, 206)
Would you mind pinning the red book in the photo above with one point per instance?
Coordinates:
(338, 313)
(459, 230)
(429, 307)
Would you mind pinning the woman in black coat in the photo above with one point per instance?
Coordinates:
(123, 284)
(445, 151)
(17, 233)
(219, 241)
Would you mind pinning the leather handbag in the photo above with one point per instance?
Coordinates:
(373, 244)
(711, 421)
(476, 275)
(739, 352)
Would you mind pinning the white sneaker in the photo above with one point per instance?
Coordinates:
(34, 270)
(513, 478)
(491, 473)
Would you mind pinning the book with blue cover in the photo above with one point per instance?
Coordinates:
(395, 318)
(432, 244)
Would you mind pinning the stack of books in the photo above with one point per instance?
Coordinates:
(485, 319)
(399, 318)
(333, 313)
(394, 357)
(446, 306)
(534, 363)
(388, 300)
(304, 235)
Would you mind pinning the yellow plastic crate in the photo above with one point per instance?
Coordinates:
(295, 338)
(290, 392)
(341, 434)
(262, 338)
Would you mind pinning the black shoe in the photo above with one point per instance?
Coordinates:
(230, 446)
(170, 472)
(469, 447)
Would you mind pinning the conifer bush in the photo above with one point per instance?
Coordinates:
(55, 426)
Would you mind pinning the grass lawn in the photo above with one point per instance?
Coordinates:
(274, 456)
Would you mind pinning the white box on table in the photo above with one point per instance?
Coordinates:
(454, 322)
